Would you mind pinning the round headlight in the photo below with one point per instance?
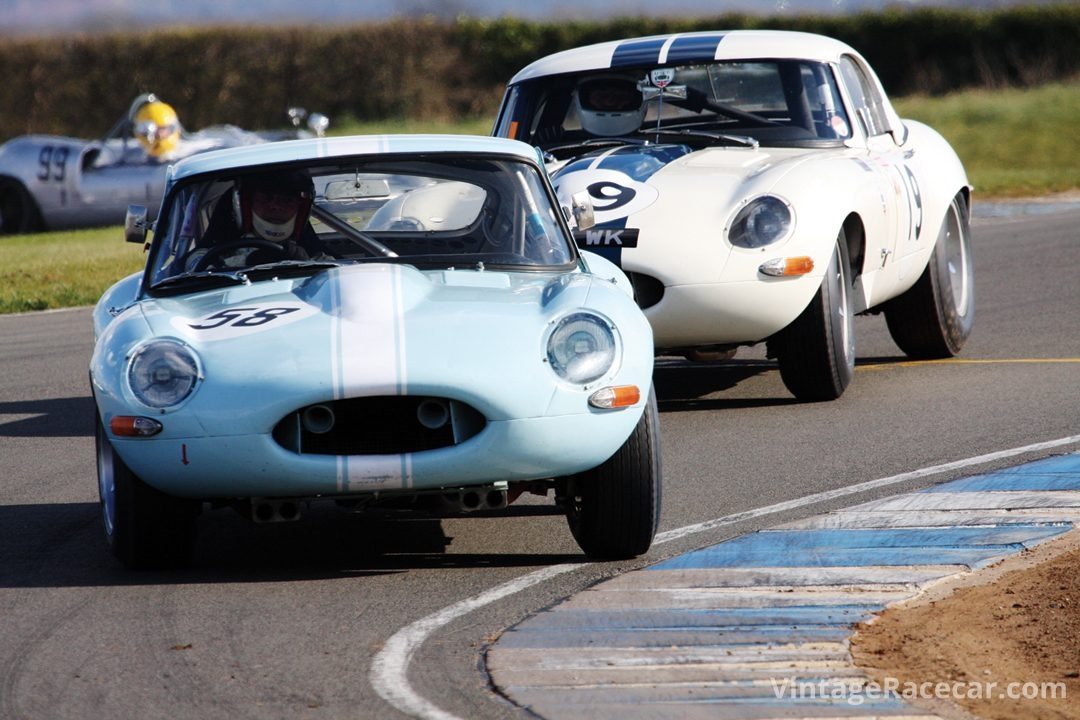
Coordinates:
(163, 373)
(581, 348)
(762, 221)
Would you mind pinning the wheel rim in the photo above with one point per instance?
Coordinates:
(843, 309)
(957, 260)
(106, 483)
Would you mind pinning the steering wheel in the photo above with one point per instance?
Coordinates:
(217, 251)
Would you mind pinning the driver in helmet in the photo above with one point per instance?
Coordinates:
(265, 220)
(157, 128)
(609, 105)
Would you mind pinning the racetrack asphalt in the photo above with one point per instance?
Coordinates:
(758, 626)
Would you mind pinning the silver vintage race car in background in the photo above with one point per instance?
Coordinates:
(49, 182)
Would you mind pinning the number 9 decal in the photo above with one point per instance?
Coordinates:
(615, 195)
(608, 196)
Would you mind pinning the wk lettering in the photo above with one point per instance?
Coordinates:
(620, 237)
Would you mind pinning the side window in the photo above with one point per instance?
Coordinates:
(505, 126)
(869, 105)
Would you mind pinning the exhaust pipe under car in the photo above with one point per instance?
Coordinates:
(474, 500)
(274, 511)
(317, 419)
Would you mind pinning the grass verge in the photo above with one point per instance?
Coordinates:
(1013, 143)
(63, 269)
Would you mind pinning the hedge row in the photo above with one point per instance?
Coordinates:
(422, 68)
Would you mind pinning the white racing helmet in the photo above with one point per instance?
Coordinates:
(609, 105)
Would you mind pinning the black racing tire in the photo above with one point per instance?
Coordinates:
(934, 318)
(18, 211)
(614, 509)
(816, 352)
(145, 528)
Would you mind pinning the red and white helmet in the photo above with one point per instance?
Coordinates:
(275, 206)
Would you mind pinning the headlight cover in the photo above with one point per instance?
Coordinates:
(762, 221)
(581, 348)
(163, 373)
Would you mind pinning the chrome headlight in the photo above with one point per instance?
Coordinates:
(163, 373)
(581, 348)
(762, 221)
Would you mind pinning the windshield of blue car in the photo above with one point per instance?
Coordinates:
(431, 212)
(774, 102)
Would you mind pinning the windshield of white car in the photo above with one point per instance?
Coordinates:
(435, 211)
(775, 102)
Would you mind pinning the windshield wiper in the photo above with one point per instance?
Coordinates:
(600, 142)
(289, 268)
(743, 140)
(203, 278)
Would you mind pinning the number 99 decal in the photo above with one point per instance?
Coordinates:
(243, 320)
(52, 163)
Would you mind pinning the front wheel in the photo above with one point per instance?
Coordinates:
(614, 509)
(144, 527)
(816, 352)
(934, 318)
(18, 212)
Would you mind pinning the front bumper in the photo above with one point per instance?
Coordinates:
(729, 312)
(240, 466)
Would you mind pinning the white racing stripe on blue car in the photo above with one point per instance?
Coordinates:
(368, 358)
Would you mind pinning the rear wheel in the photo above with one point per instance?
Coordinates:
(18, 213)
(145, 528)
(934, 318)
(816, 352)
(614, 509)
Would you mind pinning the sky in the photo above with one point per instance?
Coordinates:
(36, 17)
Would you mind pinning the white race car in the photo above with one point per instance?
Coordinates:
(757, 186)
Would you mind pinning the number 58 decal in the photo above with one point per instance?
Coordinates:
(235, 321)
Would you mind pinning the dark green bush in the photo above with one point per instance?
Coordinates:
(427, 69)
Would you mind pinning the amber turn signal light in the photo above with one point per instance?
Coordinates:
(134, 426)
(619, 396)
(785, 267)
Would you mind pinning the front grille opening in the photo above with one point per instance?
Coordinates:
(383, 425)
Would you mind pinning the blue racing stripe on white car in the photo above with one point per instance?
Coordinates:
(693, 48)
(637, 52)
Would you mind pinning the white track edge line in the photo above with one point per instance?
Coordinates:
(390, 666)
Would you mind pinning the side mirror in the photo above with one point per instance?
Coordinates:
(318, 123)
(582, 207)
(135, 224)
(296, 115)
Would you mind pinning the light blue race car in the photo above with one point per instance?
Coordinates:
(400, 324)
